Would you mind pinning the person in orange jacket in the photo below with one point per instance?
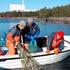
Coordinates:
(13, 37)
(57, 41)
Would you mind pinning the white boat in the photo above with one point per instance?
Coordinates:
(42, 58)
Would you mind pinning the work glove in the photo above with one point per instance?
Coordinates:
(32, 38)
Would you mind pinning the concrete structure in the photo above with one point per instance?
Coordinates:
(17, 7)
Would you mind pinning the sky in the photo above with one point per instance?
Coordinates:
(32, 4)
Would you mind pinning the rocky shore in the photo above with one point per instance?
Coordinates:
(53, 19)
(59, 19)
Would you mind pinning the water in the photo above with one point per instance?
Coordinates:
(6, 24)
(62, 65)
(46, 29)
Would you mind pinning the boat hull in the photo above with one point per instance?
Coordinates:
(41, 57)
(49, 59)
(52, 58)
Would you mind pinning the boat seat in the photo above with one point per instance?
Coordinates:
(37, 44)
(41, 42)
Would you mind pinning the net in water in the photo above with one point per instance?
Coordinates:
(28, 63)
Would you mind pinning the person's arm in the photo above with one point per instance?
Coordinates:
(37, 30)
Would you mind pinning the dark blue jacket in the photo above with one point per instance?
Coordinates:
(34, 30)
(15, 31)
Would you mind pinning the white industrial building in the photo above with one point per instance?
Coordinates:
(17, 7)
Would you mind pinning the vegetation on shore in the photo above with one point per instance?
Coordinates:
(62, 11)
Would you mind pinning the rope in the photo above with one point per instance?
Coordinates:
(67, 41)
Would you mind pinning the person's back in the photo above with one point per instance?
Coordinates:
(12, 33)
(34, 30)
(15, 30)
(13, 37)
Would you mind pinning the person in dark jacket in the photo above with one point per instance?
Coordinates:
(13, 37)
(34, 29)
(24, 40)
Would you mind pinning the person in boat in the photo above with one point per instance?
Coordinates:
(24, 40)
(56, 42)
(33, 31)
(13, 37)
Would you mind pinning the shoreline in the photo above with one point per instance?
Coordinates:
(13, 17)
(52, 19)
(59, 19)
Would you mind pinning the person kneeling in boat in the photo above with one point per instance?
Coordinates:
(56, 42)
(33, 31)
(24, 38)
(13, 37)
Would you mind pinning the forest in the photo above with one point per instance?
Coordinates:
(60, 11)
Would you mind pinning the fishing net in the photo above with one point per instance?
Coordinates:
(33, 46)
(28, 62)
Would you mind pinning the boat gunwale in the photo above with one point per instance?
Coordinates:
(17, 57)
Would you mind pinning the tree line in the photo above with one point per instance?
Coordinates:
(60, 11)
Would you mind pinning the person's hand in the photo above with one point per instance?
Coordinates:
(48, 51)
(28, 36)
(56, 50)
(32, 38)
(16, 44)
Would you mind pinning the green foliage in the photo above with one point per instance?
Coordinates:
(62, 11)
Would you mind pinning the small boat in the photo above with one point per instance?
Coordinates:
(14, 61)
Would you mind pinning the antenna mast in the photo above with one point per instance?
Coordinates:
(22, 2)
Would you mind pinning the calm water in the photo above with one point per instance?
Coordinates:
(46, 29)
